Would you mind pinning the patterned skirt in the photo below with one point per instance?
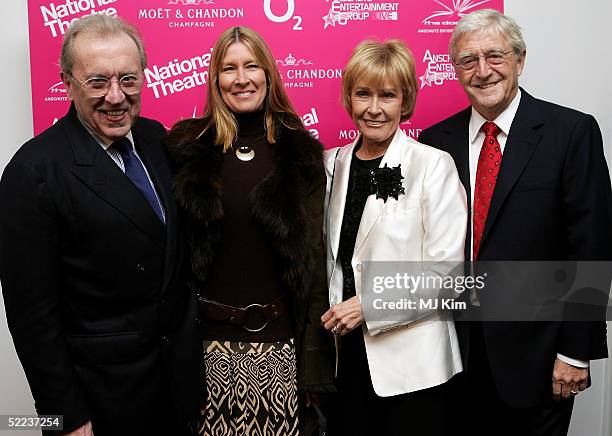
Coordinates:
(251, 389)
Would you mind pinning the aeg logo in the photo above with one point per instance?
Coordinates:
(57, 92)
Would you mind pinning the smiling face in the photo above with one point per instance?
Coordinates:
(111, 116)
(376, 112)
(242, 80)
(490, 88)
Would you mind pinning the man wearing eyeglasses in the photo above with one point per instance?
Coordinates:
(90, 254)
(538, 190)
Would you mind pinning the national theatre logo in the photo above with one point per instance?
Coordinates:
(178, 75)
(57, 17)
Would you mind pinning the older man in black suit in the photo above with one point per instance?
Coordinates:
(90, 253)
(539, 190)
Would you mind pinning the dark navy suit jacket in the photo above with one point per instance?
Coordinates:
(92, 283)
(552, 202)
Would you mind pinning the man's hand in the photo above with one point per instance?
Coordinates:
(568, 380)
(84, 430)
(344, 317)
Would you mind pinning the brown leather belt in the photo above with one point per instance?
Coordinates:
(253, 318)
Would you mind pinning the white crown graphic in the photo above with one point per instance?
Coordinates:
(290, 61)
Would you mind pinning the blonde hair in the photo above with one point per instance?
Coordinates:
(374, 62)
(278, 108)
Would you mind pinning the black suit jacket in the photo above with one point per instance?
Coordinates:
(552, 201)
(91, 278)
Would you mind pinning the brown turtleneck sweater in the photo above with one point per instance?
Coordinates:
(246, 268)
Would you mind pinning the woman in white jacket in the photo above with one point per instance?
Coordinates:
(390, 198)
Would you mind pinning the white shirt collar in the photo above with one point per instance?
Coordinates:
(503, 121)
(97, 138)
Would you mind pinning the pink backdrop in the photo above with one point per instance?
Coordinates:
(311, 41)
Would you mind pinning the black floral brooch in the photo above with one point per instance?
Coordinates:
(386, 182)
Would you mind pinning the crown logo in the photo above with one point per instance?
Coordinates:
(290, 60)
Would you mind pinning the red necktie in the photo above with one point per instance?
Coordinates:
(489, 162)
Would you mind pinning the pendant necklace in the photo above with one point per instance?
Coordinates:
(245, 153)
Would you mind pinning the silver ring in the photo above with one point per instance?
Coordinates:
(335, 330)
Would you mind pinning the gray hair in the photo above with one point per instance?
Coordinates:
(101, 25)
(488, 19)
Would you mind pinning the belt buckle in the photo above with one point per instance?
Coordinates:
(246, 317)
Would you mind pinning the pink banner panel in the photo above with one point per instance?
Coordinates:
(311, 41)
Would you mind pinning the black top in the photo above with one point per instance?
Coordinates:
(245, 268)
(356, 197)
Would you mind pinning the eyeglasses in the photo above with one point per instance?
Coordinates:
(493, 58)
(99, 86)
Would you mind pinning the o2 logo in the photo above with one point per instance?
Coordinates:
(288, 15)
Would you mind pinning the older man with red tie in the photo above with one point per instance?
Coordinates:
(539, 190)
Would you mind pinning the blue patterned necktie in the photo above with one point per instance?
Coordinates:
(137, 174)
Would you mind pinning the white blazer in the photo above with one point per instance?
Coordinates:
(427, 223)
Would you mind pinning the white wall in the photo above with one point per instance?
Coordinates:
(568, 62)
(16, 123)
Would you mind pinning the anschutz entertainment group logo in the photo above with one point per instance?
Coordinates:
(342, 11)
(298, 73)
(448, 17)
(57, 92)
(439, 69)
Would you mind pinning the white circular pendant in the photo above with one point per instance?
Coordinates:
(245, 153)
